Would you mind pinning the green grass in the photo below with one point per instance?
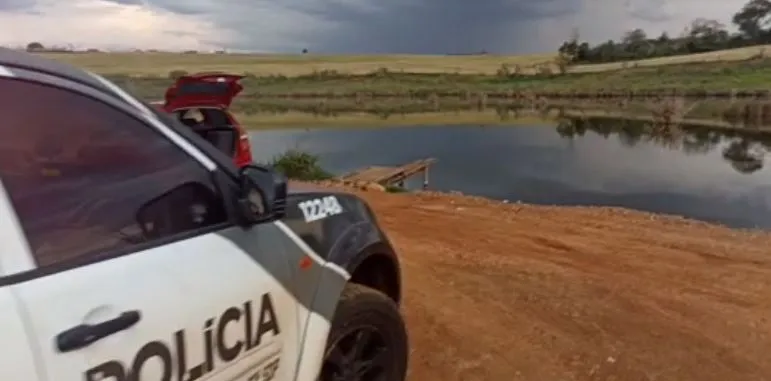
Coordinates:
(384, 97)
(299, 119)
(395, 189)
(299, 165)
(715, 76)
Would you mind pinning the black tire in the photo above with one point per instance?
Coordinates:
(363, 311)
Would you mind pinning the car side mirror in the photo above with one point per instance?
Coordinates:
(262, 194)
(186, 207)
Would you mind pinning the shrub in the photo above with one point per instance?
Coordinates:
(176, 74)
(503, 71)
(298, 165)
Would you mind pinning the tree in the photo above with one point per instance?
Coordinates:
(705, 35)
(636, 44)
(753, 18)
(701, 35)
(700, 141)
(569, 51)
(583, 52)
(705, 29)
(568, 48)
(743, 158)
(35, 47)
(635, 36)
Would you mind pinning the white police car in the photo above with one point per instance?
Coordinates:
(132, 250)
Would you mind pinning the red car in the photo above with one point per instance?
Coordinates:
(201, 101)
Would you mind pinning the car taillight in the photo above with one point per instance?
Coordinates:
(243, 150)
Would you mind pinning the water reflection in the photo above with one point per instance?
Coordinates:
(703, 174)
(745, 152)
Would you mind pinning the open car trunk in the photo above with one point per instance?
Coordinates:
(203, 89)
(200, 101)
(212, 124)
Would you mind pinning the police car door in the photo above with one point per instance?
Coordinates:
(17, 356)
(106, 298)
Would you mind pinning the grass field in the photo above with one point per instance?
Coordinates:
(423, 76)
(375, 87)
(160, 64)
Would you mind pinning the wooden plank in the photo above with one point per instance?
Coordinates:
(370, 174)
(388, 175)
(408, 170)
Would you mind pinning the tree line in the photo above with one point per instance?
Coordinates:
(753, 22)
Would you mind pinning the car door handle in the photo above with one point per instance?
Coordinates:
(83, 335)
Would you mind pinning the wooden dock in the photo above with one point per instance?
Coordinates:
(390, 176)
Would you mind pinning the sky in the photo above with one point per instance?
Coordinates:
(344, 26)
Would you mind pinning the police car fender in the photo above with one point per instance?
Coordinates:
(340, 254)
(319, 208)
(321, 310)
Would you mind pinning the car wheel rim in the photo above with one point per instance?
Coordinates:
(361, 354)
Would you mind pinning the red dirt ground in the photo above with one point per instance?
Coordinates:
(516, 292)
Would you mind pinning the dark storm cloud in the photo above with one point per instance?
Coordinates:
(370, 26)
(399, 26)
(16, 5)
(442, 26)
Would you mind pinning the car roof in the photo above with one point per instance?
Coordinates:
(14, 59)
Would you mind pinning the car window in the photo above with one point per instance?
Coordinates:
(81, 173)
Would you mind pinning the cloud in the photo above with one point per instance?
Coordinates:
(10, 5)
(94, 23)
(344, 26)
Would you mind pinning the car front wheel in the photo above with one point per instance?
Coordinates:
(368, 339)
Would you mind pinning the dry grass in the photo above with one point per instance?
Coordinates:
(290, 65)
(160, 64)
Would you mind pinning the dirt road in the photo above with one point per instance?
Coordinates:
(516, 292)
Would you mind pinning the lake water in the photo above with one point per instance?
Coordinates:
(699, 174)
